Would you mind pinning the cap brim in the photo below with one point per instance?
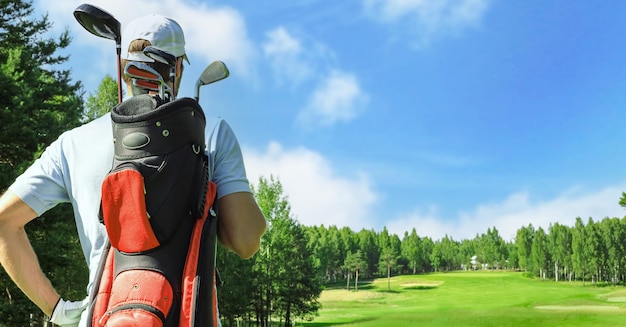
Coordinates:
(138, 56)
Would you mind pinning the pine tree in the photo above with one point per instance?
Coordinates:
(38, 102)
(289, 280)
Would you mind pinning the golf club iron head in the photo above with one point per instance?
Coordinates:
(164, 57)
(160, 55)
(141, 71)
(216, 71)
(142, 86)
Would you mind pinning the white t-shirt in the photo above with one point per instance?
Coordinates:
(73, 167)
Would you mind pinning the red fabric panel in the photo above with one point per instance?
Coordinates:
(104, 290)
(191, 265)
(124, 212)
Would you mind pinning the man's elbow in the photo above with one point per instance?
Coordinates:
(249, 244)
(248, 250)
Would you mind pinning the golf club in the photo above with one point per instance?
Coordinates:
(141, 71)
(144, 86)
(163, 57)
(102, 24)
(216, 71)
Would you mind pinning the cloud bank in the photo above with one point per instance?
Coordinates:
(320, 195)
(516, 211)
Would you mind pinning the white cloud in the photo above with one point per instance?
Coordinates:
(211, 33)
(428, 18)
(338, 98)
(317, 194)
(514, 212)
(287, 56)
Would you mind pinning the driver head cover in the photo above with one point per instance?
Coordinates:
(162, 32)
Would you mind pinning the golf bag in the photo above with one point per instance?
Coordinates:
(159, 266)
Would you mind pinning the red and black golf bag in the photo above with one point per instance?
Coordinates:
(159, 269)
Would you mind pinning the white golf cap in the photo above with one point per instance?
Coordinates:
(162, 32)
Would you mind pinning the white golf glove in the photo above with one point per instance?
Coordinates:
(67, 313)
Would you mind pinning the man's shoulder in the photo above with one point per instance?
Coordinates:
(98, 128)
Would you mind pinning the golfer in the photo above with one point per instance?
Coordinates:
(73, 167)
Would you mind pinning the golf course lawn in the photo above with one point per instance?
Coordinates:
(471, 299)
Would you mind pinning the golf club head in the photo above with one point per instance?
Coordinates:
(160, 55)
(145, 85)
(164, 57)
(98, 22)
(216, 71)
(141, 71)
(141, 86)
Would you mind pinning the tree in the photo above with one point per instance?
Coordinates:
(580, 260)
(524, 242)
(492, 247)
(622, 200)
(427, 247)
(388, 261)
(237, 287)
(411, 249)
(592, 247)
(289, 279)
(560, 248)
(612, 236)
(324, 244)
(102, 101)
(370, 250)
(354, 262)
(298, 282)
(444, 254)
(512, 259)
(539, 252)
(38, 101)
(467, 250)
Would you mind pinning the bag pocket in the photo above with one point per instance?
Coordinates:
(141, 298)
(124, 211)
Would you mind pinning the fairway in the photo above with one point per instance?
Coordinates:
(471, 299)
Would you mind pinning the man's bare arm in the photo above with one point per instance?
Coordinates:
(240, 224)
(17, 255)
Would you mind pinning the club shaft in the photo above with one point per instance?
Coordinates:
(119, 74)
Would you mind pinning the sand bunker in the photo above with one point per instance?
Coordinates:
(617, 299)
(586, 308)
(433, 284)
(345, 295)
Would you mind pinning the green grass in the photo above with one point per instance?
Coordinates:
(471, 299)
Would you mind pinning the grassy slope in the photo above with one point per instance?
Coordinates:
(472, 299)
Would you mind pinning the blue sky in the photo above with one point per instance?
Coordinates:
(450, 116)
